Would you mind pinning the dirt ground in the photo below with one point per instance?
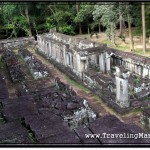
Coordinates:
(120, 45)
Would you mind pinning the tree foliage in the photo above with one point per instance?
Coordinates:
(31, 18)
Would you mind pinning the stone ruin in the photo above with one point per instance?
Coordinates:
(82, 113)
(39, 118)
(121, 79)
(16, 43)
(36, 67)
(57, 115)
(15, 69)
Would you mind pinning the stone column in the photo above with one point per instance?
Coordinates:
(70, 55)
(107, 62)
(78, 65)
(122, 92)
(50, 47)
(64, 55)
(52, 50)
(87, 63)
(67, 59)
(145, 72)
(102, 62)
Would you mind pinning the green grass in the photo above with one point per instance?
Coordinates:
(107, 42)
(74, 83)
(124, 48)
(136, 110)
(139, 51)
(148, 98)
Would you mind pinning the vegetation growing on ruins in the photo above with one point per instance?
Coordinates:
(72, 82)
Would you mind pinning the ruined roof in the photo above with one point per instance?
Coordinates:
(132, 79)
(127, 55)
(100, 48)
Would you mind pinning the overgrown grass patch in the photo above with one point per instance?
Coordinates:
(74, 83)
(139, 51)
(122, 47)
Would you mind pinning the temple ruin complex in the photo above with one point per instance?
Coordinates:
(121, 77)
(46, 111)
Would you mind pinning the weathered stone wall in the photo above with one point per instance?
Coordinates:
(16, 42)
(85, 61)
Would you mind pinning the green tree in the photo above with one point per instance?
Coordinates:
(108, 15)
(84, 14)
(143, 26)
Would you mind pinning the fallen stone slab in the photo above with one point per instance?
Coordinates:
(19, 110)
(49, 125)
(117, 130)
(82, 133)
(13, 133)
(64, 138)
(21, 99)
(72, 106)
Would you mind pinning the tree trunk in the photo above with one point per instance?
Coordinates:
(34, 24)
(112, 34)
(120, 20)
(130, 32)
(99, 27)
(143, 27)
(88, 29)
(28, 20)
(80, 27)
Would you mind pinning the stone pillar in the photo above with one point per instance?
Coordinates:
(107, 62)
(78, 65)
(145, 72)
(70, 55)
(122, 92)
(67, 59)
(46, 47)
(50, 47)
(87, 63)
(64, 55)
(43, 49)
(102, 62)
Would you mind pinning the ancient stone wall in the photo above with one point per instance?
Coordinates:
(16, 42)
(95, 65)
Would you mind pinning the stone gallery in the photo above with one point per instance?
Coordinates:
(122, 79)
(45, 110)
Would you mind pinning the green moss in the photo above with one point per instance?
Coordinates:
(9, 141)
(74, 83)
(1, 64)
(136, 81)
(148, 98)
